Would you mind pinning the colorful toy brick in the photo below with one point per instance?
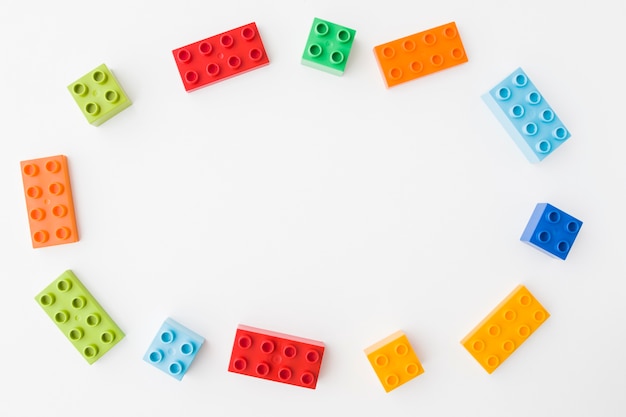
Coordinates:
(99, 95)
(551, 230)
(49, 201)
(495, 338)
(394, 361)
(79, 316)
(276, 357)
(220, 57)
(328, 47)
(423, 53)
(173, 349)
(526, 116)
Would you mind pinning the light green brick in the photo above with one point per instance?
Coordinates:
(328, 47)
(98, 95)
(79, 316)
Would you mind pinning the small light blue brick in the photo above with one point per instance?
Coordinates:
(526, 116)
(551, 230)
(173, 349)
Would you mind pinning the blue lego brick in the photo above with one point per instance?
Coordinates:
(173, 349)
(526, 116)
(551, 230)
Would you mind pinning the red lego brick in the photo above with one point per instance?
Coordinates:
(220, 57)
(49, 201)
(276, 357)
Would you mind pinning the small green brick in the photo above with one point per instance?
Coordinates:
(79, 316)
(328, 47)
(99, 95)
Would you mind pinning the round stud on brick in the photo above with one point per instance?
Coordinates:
(79, 302)
(248, 34)
(191, 77)
(213, 69)
(47, 299)
(343, 36)
(41, 236)
(227, 41)
(244, 342)
(99, 77)
(107, 337)
(167, 337)
(175, 368)
(314, 50)
(205, 48)
(307, 378)
(155, 356)
(255, 54)
(93, 319)
(186, 349)
(520, 80)
(90, 351)
(63, 233)
(80, 89)
(321, 29)
(30, 170)
(76, 334)
(183, 56)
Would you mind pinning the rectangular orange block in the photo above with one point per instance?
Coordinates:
(49, 201)
(508, 325)
(423, 53)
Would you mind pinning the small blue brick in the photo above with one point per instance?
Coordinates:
(526, 116)
(551, 230)
(173, 349)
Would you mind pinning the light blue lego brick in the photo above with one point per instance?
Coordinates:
(551, 230)
(526, 116)
(173, 349)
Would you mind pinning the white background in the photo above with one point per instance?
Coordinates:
(321, 206)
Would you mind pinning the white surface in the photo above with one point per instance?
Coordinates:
(321, 206)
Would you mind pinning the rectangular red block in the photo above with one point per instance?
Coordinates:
(276, 357)
(49, 201)
(220, 57)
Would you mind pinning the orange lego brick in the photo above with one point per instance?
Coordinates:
(423, 53)
(394, 361)
(495, 338)
(49, 201)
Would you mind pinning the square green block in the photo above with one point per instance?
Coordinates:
(328, 47)
(99, 95)
(79, 316)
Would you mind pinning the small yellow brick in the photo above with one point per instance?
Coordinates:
(394, 361)
(495, 338)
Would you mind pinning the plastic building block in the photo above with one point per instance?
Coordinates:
(99, 95)
(495, 338)
(328, 47)
(551, 230)
(49, 201)
(79, 316)
(220, 57)
(423, 53)
(173, 349)
(394, 361)
(276, 357)
(526, 116)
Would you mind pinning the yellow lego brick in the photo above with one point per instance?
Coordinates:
(495, 338)
(394, 361)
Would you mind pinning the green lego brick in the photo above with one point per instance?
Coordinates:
(79, 316)
(328, 47)
(99, 95)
